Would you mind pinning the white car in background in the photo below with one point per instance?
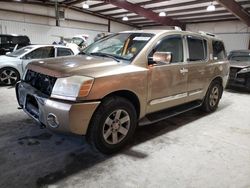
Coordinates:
(12, 65)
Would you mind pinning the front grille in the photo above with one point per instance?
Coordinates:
(233, 72)
(41, 82)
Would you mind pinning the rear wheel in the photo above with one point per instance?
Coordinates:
(9, 76)
(112, 125)
(212, 97)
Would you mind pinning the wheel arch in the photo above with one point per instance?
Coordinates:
(11, 67)
(129, 95)
(218, 79)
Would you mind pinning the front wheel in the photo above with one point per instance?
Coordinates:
(212, 97)
(9, 76)
(112, 125)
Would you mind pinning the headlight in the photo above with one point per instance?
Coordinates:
(72, 87)
(244, 70)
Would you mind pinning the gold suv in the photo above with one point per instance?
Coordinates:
(124, 80)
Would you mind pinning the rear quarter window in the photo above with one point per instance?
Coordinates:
(219, 52)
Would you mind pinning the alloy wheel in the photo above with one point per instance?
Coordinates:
(214, 96)
(116, 127)
(8, 77)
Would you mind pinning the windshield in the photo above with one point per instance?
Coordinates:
(122, 46)
(19, 52)
(243, 57)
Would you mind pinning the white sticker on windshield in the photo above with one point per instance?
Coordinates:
(142, 38)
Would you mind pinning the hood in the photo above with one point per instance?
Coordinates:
(240, 64)
(4, 58)
(75, 65)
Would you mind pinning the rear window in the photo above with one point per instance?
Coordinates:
(219, 52)
(197, 49)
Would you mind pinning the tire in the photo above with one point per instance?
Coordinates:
(212, 97)
(9, 76)
(112, 125)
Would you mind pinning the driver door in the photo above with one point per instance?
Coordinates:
(39, 53)
(167, 82)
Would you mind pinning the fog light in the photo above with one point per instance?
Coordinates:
(52, 120)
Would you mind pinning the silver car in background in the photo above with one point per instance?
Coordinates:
(12, 65)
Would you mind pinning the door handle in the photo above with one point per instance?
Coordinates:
(183, 70)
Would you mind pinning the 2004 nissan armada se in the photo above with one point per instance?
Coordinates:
(124, 80)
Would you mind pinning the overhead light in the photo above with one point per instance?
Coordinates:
(211, 7)
(125, 18)
(162, 14)
(85, 5)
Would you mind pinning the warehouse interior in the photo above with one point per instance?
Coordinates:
(189, 149)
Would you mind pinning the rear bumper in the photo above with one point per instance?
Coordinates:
(71, 117)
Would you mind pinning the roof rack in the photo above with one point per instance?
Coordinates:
(207, 33)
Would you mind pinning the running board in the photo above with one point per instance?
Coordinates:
(170, 112)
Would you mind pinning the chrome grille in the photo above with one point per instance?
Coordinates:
(41, 82)
(233, 72)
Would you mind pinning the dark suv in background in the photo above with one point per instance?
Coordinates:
(239, 68)
(10, 43)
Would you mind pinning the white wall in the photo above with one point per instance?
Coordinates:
(235, 34)
(16, 18)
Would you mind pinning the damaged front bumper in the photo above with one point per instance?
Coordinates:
(64, 116)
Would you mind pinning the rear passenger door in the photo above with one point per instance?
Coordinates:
(197, 60)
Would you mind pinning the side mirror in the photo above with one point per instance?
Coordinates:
(162, 57)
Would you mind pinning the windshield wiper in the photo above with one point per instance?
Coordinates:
(105, 55)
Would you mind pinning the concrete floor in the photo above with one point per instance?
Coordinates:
(191, 150)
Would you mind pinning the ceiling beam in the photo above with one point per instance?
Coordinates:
(215, 18)
(140, 4)
(75, 2)
(160, 7)
(120, 14)
(207, 21)
(188, 15)
(236, 9)
(145, 13)
(98, 5)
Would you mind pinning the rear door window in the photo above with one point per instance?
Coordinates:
(219, 52)
(197, 48)
(64, 52)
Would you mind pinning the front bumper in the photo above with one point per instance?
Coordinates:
(71, 117)
(240, 80)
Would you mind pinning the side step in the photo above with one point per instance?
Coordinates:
(170, 112)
